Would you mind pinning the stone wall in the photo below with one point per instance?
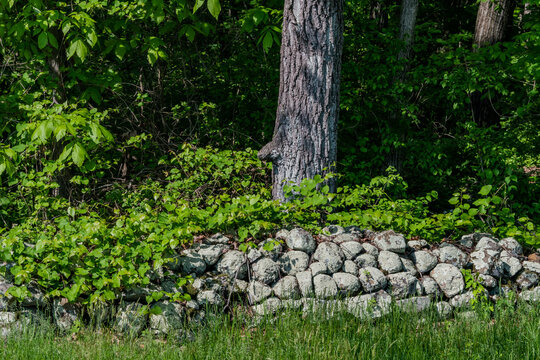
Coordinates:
(349, 269)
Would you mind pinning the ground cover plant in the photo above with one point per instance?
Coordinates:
(399, 335)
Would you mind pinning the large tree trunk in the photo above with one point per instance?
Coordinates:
(305, 134)
(492, 21)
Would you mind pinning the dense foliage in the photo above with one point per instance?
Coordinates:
(124, 127)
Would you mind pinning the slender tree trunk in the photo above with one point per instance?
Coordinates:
(492, 21)
(379, 13)
(305, 134)
(407, 22)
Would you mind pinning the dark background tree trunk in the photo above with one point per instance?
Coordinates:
(304, 143)
(492, 21)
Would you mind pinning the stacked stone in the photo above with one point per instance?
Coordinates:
(348, 269)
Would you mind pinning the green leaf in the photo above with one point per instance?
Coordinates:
(197, 5)
(485, 190)
(214, 7)
(453, 201)
(267, 41)
(78, 154)
(42, 40)
(52, 41)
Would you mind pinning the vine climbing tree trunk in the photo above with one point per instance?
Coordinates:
(492, 21)
(305, 133)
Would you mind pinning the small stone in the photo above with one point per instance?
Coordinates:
(190, 262)
(449, 279)
(305, 283)
(417, 244)
(130, 319)
(342, 238)
(325, 286)
(531, 295)
(355, 230)
(351, 249)
(254, 255)
(217, 239)
(408, 266)
(370, 306)
(287, 288)
(333, 230)
(211, 253)
(299, 239)
(483, 260)
(487, 281)
(452, 255)
(467, 315)
(467, 241)
(258, 291)
(487, 243)
(350, 267)
(509, 264)
(414, 304)
(330, 254)
(270, 306)
(527, 280)
(402, 284)
(209, 297)
(65, 314)
(532, 266)
(372, 279)
(171, 318)
(535, 257)
(348, 284)
(239, 286)
(370, 249)
(293, 262)
(443, 309)
(424, 261)
(318, 268)
(390, 241)
(462, 300)
(233, 264)
(366, 260)
(265, 270)
(390, 262)
(282, 234)
(430, 286)
(512, 246)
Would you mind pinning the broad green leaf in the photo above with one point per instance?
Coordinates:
(52, 41)
(453, 201)
(214, 7)
(485, 190)
(267, 41)
(197, 5)
(81, 50)
(42, 40)
(78, 154)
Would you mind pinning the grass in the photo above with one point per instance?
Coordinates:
(509, 334)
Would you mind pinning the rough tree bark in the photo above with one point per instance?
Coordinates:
(492, 21)
(305, 133)
(407, 22)
(379, 12)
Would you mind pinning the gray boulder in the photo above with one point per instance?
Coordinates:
(366, 260)
(531, 295)
(305, 283)
(449, 279)
(217, 239)
(333, 230)
(269, 307)
(287, 288)
(209, 297)
(265, 270)
(65, 314)
(485, 259)
(417, 244)
(487, 243)
(350, 267)
(450, 254)
(415, 304)
(462, 300)
(532, 266)
(331, 255)
(424, 261)
(341, 238)
(347, 284)
(527, 280)
(233, 263)
(430, 286)
(258, 291)
(390, 241)
(512, 246)
(300, 239)
(370, 306)
(318, 268)
(324, 286)
(402, 285)
(351, 249)
(372, 279)
(390, 262)
(509, 264)
(211, 253)
(169, 320)
(130, 319)
(408, 266)
(189, 262)
(444, 309)
(370, 249)
(487, 281)
(293, 262)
